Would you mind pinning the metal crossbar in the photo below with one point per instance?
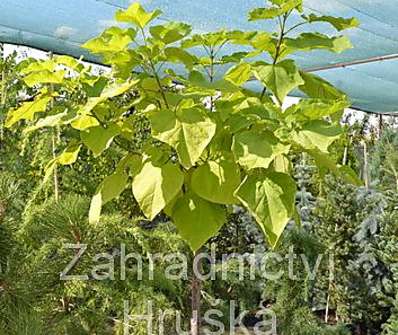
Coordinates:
(353, 63)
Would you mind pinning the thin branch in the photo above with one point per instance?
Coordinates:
(206, 49)
(156, 74)
(212, 55)
(221, 46)
(282, 33)
(205, 68)
(295, 27)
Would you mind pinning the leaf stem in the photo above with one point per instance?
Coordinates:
(159, 84)
(155, 73)
(211, 75)
(282, 34)
(220, 47)
(295, 27)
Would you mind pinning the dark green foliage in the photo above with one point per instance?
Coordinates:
(86, 307)
(294, 297)
(241, 235)
(391, 327)
(305, 172)
(358, 227)
(387, 246)
(352, 222)
(384, 160)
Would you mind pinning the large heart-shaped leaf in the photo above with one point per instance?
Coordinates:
(111, 187)
(155, 186)
(137, 15)
(170, 32)
(197, 220)
(188, 131)
(44, 77)
(113, 40)
(239, 74)
(98, 139)
(217, 181)
(270, 198)
(314, 109)
(27, 110)
(338, 23)
(280, 78)
(317, 134)
(312, 41)
(48, 121)
(257, 149)
(281, 8)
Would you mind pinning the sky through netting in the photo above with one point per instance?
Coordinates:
(61, 26)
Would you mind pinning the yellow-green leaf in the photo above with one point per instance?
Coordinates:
(48, 121)
(98, 139)
(44, 77)
(338, 23)
(280, 78)
(281, 8)
(137, 15)
(69, 156)
(216, 181)
(178, 55)
(111, 187)
(187, 130)
(112, 40)
(197, 220)
(154, 186)
(239, 74)
(111, 91)
(312, 41)
(27, 111)
(170, 32)
(317, 134)
(270, 198)
(317, 87)
(257, 149)
(84, 122)
(314, 109)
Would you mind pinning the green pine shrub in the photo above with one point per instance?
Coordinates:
(90, 306)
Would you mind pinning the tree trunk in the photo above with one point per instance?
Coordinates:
(196, 287)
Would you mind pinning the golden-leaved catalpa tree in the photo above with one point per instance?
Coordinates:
(213, 143)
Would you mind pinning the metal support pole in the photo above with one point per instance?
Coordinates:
(3, 92)
(380, 127)
(55, 141)
(353, 63)
(365, 164)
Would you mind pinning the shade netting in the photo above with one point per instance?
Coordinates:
(61, 26)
